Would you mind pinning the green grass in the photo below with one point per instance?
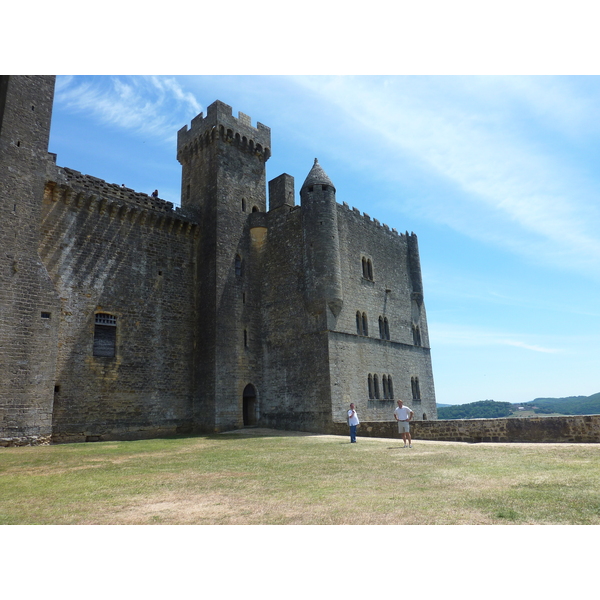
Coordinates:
(299, 479)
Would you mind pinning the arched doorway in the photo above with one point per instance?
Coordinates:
(249, 406)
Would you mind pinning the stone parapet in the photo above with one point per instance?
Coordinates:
(574, 429)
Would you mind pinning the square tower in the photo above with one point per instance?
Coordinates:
(223, 183)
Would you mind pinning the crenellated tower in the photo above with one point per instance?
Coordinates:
(223, 162)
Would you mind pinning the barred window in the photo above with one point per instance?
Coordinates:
(105, 335)
(106, 319)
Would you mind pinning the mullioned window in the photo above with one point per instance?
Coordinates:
(384, 328)
(362, 324)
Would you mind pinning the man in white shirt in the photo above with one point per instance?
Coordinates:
(353, 422)
(403, 414)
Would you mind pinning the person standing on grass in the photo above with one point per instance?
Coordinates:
(353, 422)
(403, 414)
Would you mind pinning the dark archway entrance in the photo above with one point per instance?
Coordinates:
(249, 409)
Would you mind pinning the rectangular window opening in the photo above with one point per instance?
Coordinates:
(105, 335)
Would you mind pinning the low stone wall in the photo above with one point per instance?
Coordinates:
(583, 429)
(577, 429)
(28, 440)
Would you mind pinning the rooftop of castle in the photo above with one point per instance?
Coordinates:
(317, 176)
(90, 184)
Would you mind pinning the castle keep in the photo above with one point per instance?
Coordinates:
(123, 317)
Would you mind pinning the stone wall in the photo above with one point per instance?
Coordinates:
(296, 372)
(574, 429)
(109, 251)
(578, 429)
(29, 305)
(386, 294)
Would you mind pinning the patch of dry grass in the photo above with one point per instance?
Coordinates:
(261, 477)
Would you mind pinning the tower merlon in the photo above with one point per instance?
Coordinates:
(219, 116)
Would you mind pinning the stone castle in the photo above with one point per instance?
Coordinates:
(122, 317)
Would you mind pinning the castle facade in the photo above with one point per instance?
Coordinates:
(123, 317)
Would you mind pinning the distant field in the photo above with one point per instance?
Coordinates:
(530, 413)
(261, 477)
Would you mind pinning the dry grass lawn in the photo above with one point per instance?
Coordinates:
(264, 477)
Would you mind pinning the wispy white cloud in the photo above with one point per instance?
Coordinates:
(149, 105)
(444, 334)
(508, 185)
(519, 344)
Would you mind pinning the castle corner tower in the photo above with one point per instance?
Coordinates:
(29, 306)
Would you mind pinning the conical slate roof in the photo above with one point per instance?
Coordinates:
(317, 176)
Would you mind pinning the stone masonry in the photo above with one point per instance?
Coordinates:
(564, 429)
(123, 317)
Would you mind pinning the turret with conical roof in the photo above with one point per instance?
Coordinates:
(317, 177)
(321, 243)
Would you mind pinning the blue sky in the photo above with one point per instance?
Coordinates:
(497, 175)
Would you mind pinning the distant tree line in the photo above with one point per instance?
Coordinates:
(484, 409)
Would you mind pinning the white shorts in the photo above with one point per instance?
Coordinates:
(403, 426)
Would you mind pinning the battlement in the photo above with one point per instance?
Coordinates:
(89, 184)
(220, 123)
(82, 191)
(355, 213)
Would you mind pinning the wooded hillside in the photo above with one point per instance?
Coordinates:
(490, 409)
